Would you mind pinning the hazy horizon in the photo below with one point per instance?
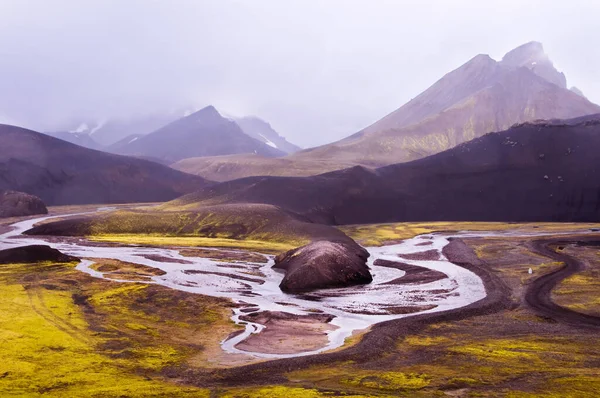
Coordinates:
(317, 71)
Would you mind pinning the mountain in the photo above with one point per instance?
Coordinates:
(203, 133)
(81, 139)
(534, 171)
(262, 131)
(121, 144)
(63, 173)
(108, 131)
(230, 167)
(479, 97)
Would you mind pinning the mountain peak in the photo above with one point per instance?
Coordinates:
(207, 114)
(208, 110)
(528, 52)
(532, 56)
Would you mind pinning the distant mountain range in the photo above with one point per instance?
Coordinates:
(63, 173)
(479, 97)
(186, 132)
(108, 131)
(535, 171)
(203, 133)
(82, 139)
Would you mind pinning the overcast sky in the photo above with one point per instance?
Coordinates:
(316, 70)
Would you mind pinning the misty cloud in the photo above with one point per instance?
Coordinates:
(316, 70)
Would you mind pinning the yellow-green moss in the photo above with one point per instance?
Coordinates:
(47, 349)
(194, 241)
(390, 381)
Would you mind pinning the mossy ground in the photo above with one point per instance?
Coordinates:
(581, 292)
(512, 353)
(381, 234)
(64, 333)
(219, 228)
(194, 241)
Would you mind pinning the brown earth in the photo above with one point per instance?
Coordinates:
(429, 255)
(287, 333)
(414, 273)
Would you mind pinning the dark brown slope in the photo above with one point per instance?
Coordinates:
(203, 133)
(544, 171)
(63, 173)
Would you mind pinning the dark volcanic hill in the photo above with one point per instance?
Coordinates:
(203, 133)
(63, 173)
(479, 97)
(539, 171)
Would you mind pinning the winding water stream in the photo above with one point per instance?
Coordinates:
(254, 286)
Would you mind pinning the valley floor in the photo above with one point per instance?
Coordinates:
(66, 333)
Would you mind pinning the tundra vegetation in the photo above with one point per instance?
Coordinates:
(65, 333)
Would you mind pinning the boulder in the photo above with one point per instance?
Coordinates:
(16, 204)
(323, 264)
(33, 254)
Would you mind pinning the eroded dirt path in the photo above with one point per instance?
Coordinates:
(539, 292)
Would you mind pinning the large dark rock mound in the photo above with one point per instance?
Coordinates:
(33, 254)
(16, 204)
(323, 264)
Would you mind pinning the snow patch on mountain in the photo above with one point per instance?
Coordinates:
(268, 142)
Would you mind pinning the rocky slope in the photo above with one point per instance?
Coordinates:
(16, 204)
(539, 171)
(262, 131)
(63, 173)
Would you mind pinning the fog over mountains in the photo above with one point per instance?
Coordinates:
(481, 96)
(317, 72)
